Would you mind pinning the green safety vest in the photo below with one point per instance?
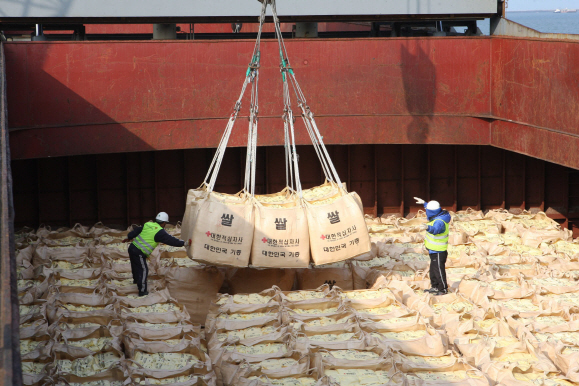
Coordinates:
(145, 241)
(438, 243)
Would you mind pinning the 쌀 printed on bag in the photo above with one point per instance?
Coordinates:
(227, 220)
(334, 217)
(280, 224)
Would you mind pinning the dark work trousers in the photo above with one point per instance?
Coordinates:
(139, 267)
(438, 270)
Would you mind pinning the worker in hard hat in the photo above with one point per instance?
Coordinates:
(436, 241)
(146, 239)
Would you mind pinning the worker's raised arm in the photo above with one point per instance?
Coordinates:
(163, 237)
(134, 233)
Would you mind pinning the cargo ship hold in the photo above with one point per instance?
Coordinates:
(112, 111)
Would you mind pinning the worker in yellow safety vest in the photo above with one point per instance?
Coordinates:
(436, 242)
(144, 241)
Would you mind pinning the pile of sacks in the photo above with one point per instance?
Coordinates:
(392, 334)
(82, 322)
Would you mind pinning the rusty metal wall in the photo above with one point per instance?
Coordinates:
(10, 366)
(519, 94)
(122, 189)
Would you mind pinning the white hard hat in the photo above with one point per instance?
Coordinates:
(162, 217)
(433, 205)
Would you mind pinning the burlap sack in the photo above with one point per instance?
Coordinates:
(368, 298)
(67, 305)
(192, 205)
(194, 287)
(66, 343)
(44, 254)
(107, 373)
(35, 288)
(464, 375)
(236, 352)
(467, 215)
(118, 374)
(42, 350)
(322, 324)
(370, 255)
(387, 309)
(99, 229)
(534, 238)
(112, 251)
(263, 380)
(176, 344)
(326, 359)
(185, 378)
(271, 331)
(84, 281)
(512, 375)
(429, 343)
(564, 356)
(135, 328)
(409, 363)
(312, 310)
(312, 278)
(176, 314)
(61, 235)
(439, 308)
(281, 237)
(34, 311)
(225, 303)
(37, 327)
(125, 287)
(322, 294)
(24, 256)
(37, 379)
(232, 372)
(223, 231)
(252, 280)
(241, 320)
(337, 230)
(349, 338)
(527, 307)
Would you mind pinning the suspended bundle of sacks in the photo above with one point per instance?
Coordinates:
(275, 230)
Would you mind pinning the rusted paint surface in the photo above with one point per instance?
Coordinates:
(536, 82)
(122, 189)
(10, 366)
(116, 138)
(550, 146)
(142, 88)
(92, 97)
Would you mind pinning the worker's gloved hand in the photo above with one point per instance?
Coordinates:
(423, 227)
(126, 240)
(419, 200)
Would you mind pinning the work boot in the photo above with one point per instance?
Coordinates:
(141, 294)
(441, 292)
(431, 290)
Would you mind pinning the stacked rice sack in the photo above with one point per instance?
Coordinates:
(82, 322)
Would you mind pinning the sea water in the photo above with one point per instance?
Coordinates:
(548, 22)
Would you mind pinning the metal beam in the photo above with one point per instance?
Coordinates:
(10, 367)
(234, 10)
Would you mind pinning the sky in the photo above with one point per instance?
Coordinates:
(531, 5)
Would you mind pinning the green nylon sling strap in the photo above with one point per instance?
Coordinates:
(438, 243)
(145, 241)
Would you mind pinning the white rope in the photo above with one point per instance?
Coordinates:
(252, 77)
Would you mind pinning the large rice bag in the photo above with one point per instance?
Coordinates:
(337, 229)
(223, 230)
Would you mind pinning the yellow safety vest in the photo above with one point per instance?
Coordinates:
(438, 243)
(145, 241)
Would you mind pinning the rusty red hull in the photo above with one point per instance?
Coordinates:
(107, 97)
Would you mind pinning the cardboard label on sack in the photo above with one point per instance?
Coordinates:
(281, 238)
(337, 230)
(223, 232)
